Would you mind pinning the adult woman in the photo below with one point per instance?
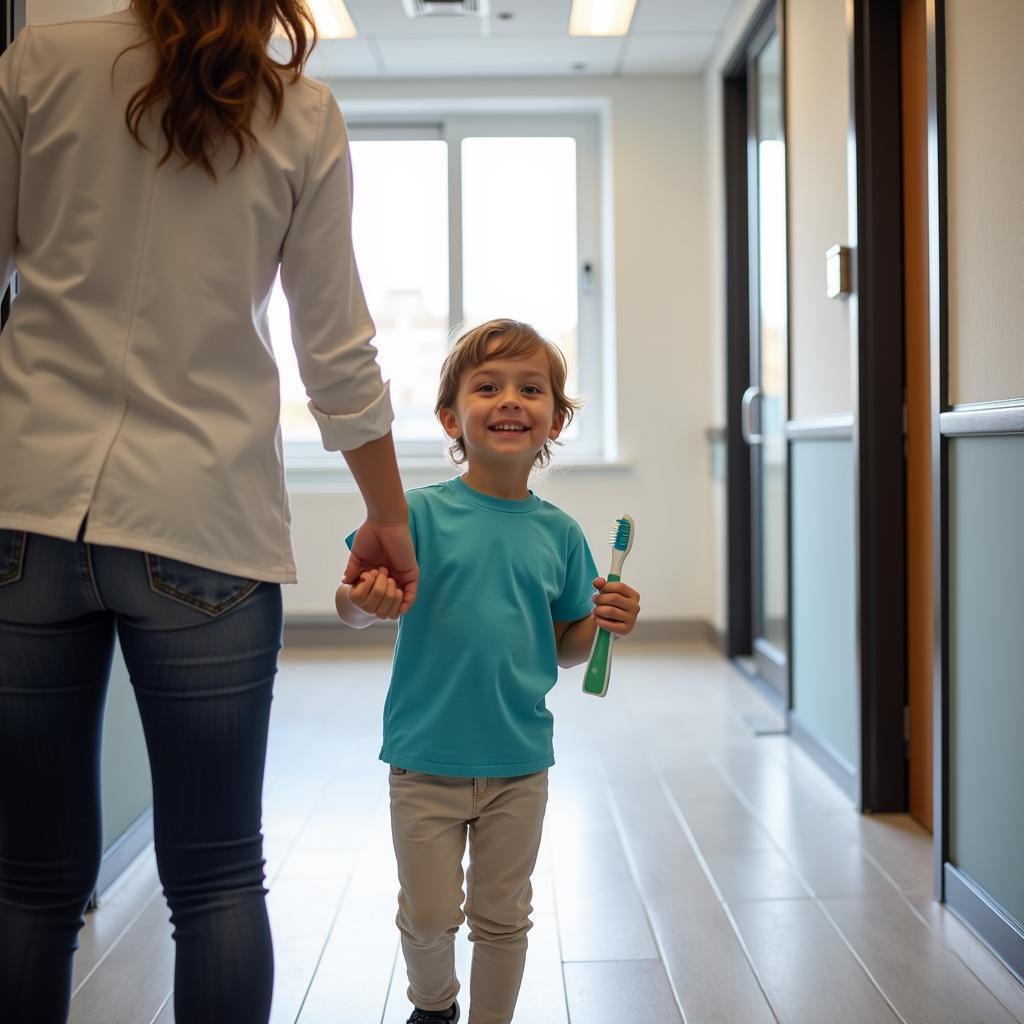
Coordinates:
(156, 168)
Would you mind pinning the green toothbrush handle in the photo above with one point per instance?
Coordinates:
(595, 679)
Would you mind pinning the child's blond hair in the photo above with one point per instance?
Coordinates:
(515, 341)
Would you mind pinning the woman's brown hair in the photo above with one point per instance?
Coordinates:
(212, 66)
(514, 340)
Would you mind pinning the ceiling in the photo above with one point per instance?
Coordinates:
(666, 37)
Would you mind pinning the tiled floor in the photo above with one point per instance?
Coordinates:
(691, 871)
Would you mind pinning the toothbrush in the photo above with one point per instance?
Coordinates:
(599, 667)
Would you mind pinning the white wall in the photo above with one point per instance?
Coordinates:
(48, 12)
(662, 314)
(817, 118)
(986, 209)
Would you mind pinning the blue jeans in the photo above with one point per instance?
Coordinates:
(201, 648)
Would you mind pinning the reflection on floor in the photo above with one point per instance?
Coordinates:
(691, 870)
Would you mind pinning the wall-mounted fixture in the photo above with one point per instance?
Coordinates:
(601, 17)
(839, 272)
(446, 8)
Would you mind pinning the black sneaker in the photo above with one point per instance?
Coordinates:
(449, 1016)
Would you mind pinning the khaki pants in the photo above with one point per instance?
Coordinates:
(431, 816)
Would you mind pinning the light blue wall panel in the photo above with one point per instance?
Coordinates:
(824, 678)
(127, 793)
(986, 664)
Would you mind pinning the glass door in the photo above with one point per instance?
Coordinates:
(765, 404)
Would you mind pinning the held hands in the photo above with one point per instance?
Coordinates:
(377, 594)
(388, 549)
(616, 606)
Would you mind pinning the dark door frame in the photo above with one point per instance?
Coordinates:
(771, 665)
(877, 336)
(938, 321)
(736, 116)
(14, 21)
(739, 636)
(8, 35)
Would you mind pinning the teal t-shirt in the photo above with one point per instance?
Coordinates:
(476, 654)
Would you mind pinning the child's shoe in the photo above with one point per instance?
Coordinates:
(449, 1016)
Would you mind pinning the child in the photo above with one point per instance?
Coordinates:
(505, 597)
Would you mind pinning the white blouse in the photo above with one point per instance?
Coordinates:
(138, 388)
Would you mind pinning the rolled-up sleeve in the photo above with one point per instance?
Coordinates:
(331, 327)
(10, 154)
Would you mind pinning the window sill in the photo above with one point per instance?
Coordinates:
(311, 477)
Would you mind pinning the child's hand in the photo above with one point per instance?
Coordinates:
(390, 545)
(616, 606)
(376, 593)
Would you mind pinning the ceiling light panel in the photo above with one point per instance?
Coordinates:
(332, 19)
(601, 17)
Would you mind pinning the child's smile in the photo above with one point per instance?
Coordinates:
(505, 409)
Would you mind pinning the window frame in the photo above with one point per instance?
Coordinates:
(594, 441)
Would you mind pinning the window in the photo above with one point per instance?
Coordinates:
(456, 223)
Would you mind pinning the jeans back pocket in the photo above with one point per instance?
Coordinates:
(12, 555)
(206, 590)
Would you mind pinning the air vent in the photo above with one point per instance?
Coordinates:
(446, 8)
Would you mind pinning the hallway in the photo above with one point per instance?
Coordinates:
(688, 863)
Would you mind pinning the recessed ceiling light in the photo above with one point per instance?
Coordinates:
(332, 19)
(601, 17)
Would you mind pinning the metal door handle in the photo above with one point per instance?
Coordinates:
(747, 415)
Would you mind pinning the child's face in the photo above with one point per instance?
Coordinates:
(505, 409)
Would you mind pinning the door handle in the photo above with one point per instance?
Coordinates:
(747, 415)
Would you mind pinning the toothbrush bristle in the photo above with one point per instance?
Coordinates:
(620, 534)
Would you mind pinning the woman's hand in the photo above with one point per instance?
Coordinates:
(377, 594)
(387, 548)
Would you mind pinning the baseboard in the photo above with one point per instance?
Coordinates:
(124, 850)
(999, 930)
(825, 757)
(671, 631)
(747, 667)
(719, 639)
(321, 631)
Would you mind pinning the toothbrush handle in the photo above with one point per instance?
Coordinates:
(595, 679)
